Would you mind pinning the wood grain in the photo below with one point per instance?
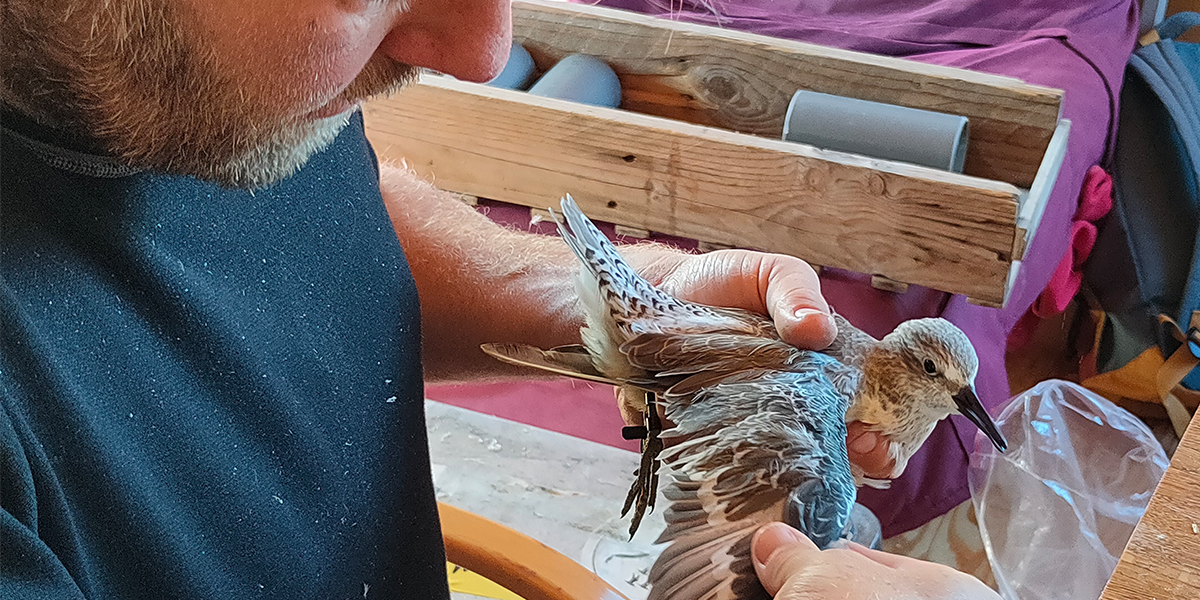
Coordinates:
(911, 224)
(744, 82)
(1162, 559)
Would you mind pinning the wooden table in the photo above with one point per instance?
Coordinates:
(1162, 559)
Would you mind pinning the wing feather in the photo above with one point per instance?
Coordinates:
(706, 356)
(761, 446)
(619, 304)
(570, 361)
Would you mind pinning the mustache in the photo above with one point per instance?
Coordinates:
(380, 76)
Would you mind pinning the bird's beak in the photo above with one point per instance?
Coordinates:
(970, 407)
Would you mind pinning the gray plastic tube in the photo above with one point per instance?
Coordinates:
(878, 130)
(580, 78)
(518, 71)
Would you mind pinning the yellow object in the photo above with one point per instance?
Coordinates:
(1134, 381)
(468, 582)
(528, 568)
(1150, 377)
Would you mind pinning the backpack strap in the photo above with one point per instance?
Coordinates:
(1181, 362)
(1177, 24)
(1164, 71)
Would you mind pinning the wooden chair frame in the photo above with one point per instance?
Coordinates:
(523, 565)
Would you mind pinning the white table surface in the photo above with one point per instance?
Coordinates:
(563, 491)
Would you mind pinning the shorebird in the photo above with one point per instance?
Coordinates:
(758, 426)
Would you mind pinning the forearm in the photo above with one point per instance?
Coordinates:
(480, 282)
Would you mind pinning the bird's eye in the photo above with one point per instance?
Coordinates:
(930, 368)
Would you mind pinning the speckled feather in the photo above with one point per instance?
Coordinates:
(620, 305)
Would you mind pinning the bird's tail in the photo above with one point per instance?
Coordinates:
(598, 255)
(613, 295)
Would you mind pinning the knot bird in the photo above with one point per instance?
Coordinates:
(759, 426)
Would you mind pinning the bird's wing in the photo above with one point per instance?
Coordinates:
(620, 304)
(844, 377)
(708, 358)
(571, 361)
(763, 446)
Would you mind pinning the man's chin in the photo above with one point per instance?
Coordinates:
(273, 160)
(338, 107)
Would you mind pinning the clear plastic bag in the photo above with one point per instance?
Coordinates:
(1056, 510)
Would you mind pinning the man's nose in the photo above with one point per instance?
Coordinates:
(467, 39)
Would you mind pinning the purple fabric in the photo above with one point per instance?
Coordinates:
(1078, 46)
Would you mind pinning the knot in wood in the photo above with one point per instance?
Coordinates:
(721, 87)
(876, 184)
(729, 89)
(816, 178)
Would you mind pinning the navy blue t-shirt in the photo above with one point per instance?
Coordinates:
(208, 393)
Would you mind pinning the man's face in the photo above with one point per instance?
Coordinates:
(234, 91)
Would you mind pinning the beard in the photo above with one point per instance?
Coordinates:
(127, 77)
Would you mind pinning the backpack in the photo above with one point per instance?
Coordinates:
(1142, 279)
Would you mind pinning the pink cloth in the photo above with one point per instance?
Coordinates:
(1095, 200)
(1096, 197)
(1078, 46)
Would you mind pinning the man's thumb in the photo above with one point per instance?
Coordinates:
(780, 552)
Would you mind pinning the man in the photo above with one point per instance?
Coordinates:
(214, 351)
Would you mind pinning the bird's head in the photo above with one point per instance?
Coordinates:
(932, 370)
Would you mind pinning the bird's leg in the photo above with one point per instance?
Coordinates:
(645, 484)
(652, 448)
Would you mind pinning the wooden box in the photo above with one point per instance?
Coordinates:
(695, 149)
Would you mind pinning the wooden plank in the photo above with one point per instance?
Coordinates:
(631, 232)
(887, 284)
(706, 246)
(744, 82)
(1160, 561)
(1034, 201)
(913, 224)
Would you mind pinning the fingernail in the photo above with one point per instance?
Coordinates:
(864, 443)
(804, 313)
(770, 539)
(812, 318)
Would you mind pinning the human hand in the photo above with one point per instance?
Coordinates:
(870, 451)
(791, 567)
(783, 287)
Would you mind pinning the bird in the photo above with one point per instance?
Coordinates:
(756, 427)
